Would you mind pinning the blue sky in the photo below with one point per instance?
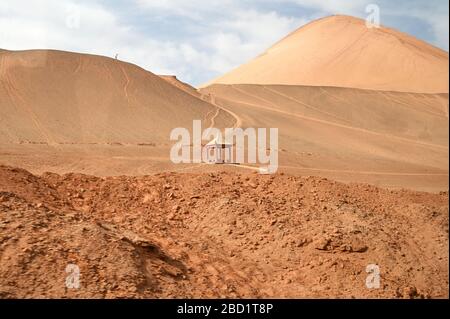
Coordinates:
(196, 40)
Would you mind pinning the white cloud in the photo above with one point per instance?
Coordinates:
(437, 19)
(351, 7)
(244, 35)
(230, 33)
(440, 27)
(44, 24)
(193, 8)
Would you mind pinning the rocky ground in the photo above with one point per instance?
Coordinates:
(179, 235)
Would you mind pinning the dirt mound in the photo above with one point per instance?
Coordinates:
(38, 244)
(30, 188)
(219, 235)
(340, 51)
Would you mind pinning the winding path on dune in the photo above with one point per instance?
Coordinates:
(127, 83)
(212, 101)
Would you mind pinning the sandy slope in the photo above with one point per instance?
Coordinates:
(218, 235)
(58, 97)
(172, 79)
(341, 51)
(390, 138)
(65, 112)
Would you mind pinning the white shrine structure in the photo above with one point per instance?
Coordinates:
(218, 152)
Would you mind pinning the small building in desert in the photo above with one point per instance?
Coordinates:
(218, 152)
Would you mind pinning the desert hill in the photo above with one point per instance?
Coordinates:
(341, 51)
(87, 103)
(351, 103)
(387, 138)
(56, 97)
(172, 79)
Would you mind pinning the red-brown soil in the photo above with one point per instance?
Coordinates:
(218, 235)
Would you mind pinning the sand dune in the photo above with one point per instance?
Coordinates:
(341, 51)
(172, 79)
(351, 103)
(389, 138)
(76, 102)
(58, 97)
(385, 137)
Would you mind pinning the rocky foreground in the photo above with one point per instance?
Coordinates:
(222, 235)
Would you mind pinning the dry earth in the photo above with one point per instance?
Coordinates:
(218, 235)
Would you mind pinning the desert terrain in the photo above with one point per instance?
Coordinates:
(222, 235)
(86, 178)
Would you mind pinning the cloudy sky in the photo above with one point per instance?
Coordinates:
(194, 39)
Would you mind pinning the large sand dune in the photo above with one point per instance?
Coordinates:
(60, 111)
(351, 102)
(388, 138)
(341, 51)
(55, 97)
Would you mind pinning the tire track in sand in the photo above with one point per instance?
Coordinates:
(361, 172)
(328, 170)
(305, 104)
(401, 139)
